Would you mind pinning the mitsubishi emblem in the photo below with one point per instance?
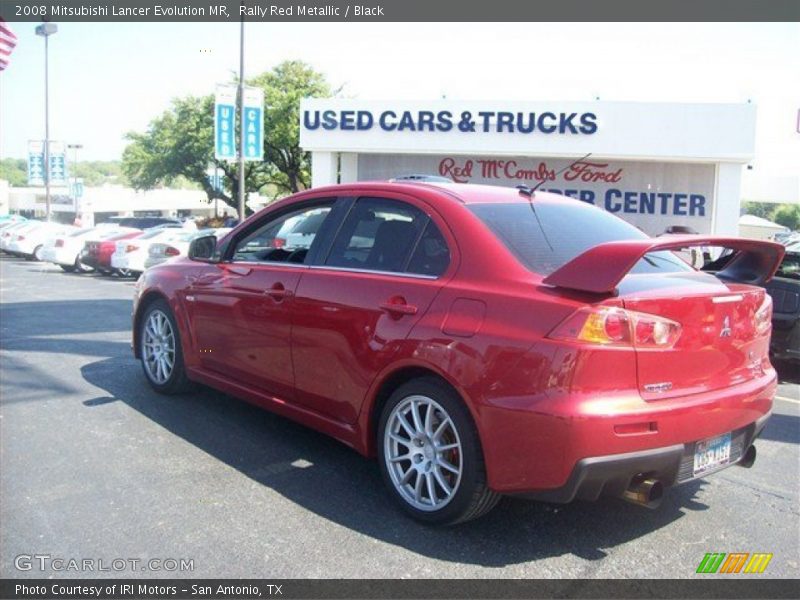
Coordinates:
(726, 328)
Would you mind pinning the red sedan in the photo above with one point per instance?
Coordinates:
(97, 253)
(480, 341)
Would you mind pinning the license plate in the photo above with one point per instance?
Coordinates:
(712, 453)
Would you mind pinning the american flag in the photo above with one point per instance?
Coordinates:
(7, 42)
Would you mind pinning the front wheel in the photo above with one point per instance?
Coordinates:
(430, 454)
(160, 350)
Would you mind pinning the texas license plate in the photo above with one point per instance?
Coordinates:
(712, 453)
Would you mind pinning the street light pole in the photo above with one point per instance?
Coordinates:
(241, 119)
(46, 30)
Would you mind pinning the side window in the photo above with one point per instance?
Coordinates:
(378, 235)
(431, 256)
(286, 238)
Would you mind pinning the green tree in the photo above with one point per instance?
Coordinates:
(180, 142)
(15, 171)
(788, 215)
(764, 210)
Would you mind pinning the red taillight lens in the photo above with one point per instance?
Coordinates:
(59, 243)
(763, 316)
(170, 251)
(131, 248)
(278, 243)
(20, 238)
(618, 327)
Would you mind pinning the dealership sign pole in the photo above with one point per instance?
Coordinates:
(241, 119)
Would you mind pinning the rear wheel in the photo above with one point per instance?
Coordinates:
(430, 454)
(68, 268)
(37, 254)
(160, 349)
(80, 267)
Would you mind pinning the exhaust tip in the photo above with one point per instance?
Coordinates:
(647, 493)
(748, 458)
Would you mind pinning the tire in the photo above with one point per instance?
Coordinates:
(37, 253)
(68, 268)
(155, 328)
(80, 267)
(454, 445)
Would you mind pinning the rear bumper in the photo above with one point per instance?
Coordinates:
(569, 446)
(612, 475)
(132, 263)
(59, 256)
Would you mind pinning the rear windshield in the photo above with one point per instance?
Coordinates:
(562, 232)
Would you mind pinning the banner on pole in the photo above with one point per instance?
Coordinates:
(225, 122)
(253, 123)
(35, 162)
(58, 164)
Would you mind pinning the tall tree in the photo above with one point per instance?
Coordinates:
(180, 142)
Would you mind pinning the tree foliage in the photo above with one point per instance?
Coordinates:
(14, 171)
(788, 215)
(180, 142)
(93, 172)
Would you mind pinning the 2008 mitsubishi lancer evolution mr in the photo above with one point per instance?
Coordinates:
(479, 341)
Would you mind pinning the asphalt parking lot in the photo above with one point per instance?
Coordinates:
(95, 465)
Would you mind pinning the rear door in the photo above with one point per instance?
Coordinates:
(361, 299)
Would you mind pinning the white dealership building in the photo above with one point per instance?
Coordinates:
(653, 164)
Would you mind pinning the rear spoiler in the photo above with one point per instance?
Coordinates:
(600, 269)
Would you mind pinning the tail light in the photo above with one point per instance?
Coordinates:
(131, 248)
(59, 243)
(20, 238)
(763, 316)
(278, 242)
(171, 251)
(612, 326)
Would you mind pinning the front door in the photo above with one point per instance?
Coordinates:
(241, 311)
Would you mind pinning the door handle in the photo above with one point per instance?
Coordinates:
(398, 307)
(277, 292)
(238, 269)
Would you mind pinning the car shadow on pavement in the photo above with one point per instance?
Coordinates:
(327, 478)
(782, 428)
(787, 372)
(64, 317)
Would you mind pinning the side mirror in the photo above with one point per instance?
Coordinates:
(202, 248)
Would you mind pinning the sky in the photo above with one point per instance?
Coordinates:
(110, 78)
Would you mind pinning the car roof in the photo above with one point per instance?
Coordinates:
(466, 193)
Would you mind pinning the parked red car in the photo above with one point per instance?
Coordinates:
(97, 253)
(479, 340)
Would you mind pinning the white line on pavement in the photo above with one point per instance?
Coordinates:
(787, 399)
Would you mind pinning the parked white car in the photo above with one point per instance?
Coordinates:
(8, 232)
(160, 252)
(29, 242)
(65, 251)
(130, 255)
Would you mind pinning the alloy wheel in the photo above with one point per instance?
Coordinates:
(423, 453)
(158, 347)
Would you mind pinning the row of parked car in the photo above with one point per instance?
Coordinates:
(124, 246)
